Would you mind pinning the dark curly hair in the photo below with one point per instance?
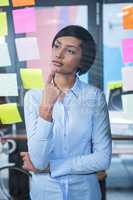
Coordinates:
(88, 45)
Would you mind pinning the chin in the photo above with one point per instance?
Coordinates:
(57, 70)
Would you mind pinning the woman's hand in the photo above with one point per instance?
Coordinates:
(50, 95)
(27, 164)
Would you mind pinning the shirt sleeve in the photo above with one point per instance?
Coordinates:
(100, 157)
(39, 132)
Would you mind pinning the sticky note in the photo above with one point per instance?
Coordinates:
(2, 40)
(8, 84)
(9, 113)
(3, 24)
(27, 48)
(127, 50)
(128, 17)
(32, 78)
(4, 2)
(17, 3)
(127, 78)
(24, 20)
(127, 101)
(114, 85)
(4, 55)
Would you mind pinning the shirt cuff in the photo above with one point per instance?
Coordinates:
(60, 167)
(44, 129)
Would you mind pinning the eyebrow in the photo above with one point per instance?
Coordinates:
(76, 47)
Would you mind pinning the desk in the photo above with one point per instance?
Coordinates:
(24, 137)
(115, 150)
(122, 150)
(101, 175)
(20, 137)
(122, 137)
(125, 149)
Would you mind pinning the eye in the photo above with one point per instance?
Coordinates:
(71, 51)
(56, 46)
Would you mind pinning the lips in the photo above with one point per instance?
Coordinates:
(57, 63)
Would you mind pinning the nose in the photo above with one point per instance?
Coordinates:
(59, 53)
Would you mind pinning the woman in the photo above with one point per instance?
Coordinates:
(67, 124)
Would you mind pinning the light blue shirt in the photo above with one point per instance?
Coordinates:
(77, 144)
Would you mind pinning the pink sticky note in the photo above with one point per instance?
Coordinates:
(127, 50)
(24, 20)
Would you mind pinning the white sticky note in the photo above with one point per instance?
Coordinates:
(2, 40)
(27, 48)
(127, 78)
(127, 101)
(4, 55)
(8, 84)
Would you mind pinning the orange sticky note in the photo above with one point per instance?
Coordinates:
(18, 3)
(128, 17)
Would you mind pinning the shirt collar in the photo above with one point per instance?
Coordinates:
(76, 87)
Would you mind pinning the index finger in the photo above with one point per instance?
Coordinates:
(23, 153)
(50, 77)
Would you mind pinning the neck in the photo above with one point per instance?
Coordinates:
(64, 82)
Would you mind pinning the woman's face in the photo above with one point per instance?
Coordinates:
(66, 55)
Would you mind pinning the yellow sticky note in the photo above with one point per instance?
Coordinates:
(4, 2)
(9, 113)
(32, 78)
(3, 24)
(114, 85)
